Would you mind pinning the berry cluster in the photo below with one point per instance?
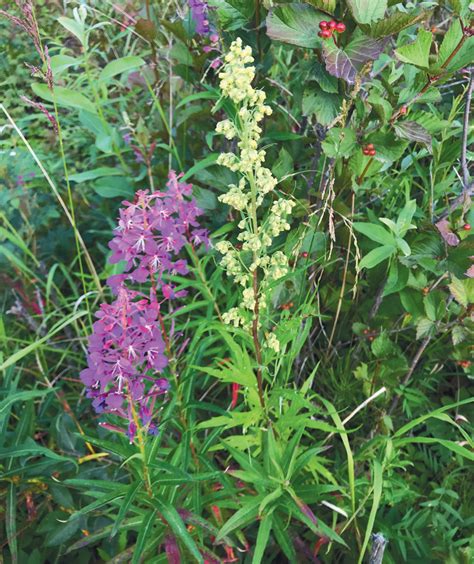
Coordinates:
(464, 363)
(369, 150)
(469, 30)
(327, 28)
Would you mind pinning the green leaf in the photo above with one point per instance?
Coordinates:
(64, 97)
(119, 66)
(367, 11)
(144, 533)
(378, 483)
(322, 105)
(392, 24)
(450, 445)
(460, 7)
(242, 517)
(36, 344)
(204, 163)
(417, 53)
(458, 290)
(262, 538)
(375, 233)
(297, 24)
(74, 27)
(233, 14)
(30, 448)
(177, 526)
(376, 256)
(339, 142)
(62, 533)
(464, 55)
(94, 173)
(22, 396)
(60, 63)
(405, 218)
(10, 522)
(119, 186)
(413, 132)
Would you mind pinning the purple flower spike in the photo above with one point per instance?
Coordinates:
(126, 351)
(199, 11)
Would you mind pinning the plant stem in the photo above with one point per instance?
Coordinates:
(465, 129)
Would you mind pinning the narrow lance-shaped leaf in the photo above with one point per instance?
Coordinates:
(413, 132)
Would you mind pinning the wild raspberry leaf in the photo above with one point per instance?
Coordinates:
(463, 57)
(297, 24)
(413, 132)
(392, 24)
(367, 11)
(326, 5)
(389, 148)
(346, 63)
(339, 142)
(322, 105)
(233, 14)
(460, 7)
(418, 52)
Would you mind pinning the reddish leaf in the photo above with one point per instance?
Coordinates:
(346, 63)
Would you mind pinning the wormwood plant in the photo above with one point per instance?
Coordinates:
(273, 363)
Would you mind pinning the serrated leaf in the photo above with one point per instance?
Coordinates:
(464, 55)
(322, 105)
(413, 131)
(458, 335)
(417, 53)
(392, 24)
(458, 290)
(367, 11)
(346, 63)
(376, 256)
(233, 14)
(64, 97)
(297, 24)
(340, 142)
(423, 327)
(375, 233)
(120, 66)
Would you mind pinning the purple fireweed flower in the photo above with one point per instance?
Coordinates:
(126, 351)
(151, 232)
(199, 13)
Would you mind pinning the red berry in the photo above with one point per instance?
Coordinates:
(365, 151)
(467, 227)
(332, 24)
(323, 25)
(340, 27)
(326, 34)
(372, 152)
(403, 110)
(304, 255)
(370, 146)
(320, 34)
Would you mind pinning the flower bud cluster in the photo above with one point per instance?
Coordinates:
(248, 195)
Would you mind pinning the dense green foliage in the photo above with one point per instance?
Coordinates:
(364, 422)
